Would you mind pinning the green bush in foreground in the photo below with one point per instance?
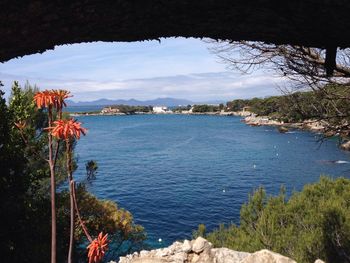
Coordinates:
(25, 229)
(313, 223)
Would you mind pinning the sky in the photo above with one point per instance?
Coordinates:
(173, 67)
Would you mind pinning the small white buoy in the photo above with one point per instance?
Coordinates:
(274, 147)
(254, 166)
(223, 190)
(159, 240)
(276, 154)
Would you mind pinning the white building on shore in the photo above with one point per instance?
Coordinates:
(160, 109)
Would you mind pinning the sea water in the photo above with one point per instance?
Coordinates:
(173, 172)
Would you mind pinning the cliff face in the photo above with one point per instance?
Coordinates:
(202, 251)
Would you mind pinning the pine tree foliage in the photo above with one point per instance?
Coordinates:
(311, 224)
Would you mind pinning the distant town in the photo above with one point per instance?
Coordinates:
(215, 109)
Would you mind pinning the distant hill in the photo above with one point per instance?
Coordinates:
(169, 102)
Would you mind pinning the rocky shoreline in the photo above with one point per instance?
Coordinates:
(202, 251)
(309, 125)
(312, 125)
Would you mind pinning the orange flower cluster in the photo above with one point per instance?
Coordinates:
(65, 129)
(46, 98)
(98, 248)
(61, 95)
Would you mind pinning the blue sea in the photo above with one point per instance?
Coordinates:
(174, 172)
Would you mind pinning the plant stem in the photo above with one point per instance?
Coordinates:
(59, 110)
(78, 214)
(71, 185)
(53, 193)
(71, 235)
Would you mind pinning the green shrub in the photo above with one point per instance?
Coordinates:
(24, 193)
(203, 108)
(313, 223)
(99, 215)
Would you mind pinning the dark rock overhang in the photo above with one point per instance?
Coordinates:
(29, 27)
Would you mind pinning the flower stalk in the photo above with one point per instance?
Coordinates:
(68, 131)
(46, 99)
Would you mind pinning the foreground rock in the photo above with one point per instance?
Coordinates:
(202, 251)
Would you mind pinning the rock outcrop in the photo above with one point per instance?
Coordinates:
(261, 121)
(35, 26)
(202, 251)
(312, 125)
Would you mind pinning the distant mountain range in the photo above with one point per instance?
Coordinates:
(169, 102)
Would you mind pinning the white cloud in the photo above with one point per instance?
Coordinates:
(140, 70)
(103, 61)
(196, 87)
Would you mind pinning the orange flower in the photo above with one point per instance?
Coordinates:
(44, 99)
(60, 96)
(65, 129)
(97, 248)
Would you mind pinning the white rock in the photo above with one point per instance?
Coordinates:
(179, 257)
(186, 246)
(200, 244)
(148, 260)
(175, 247)
(206, 256)
(195, 258)
(144, 253)
(203, 253)
(266, 256)
(225, 255)
(162, 252)
(123, 260)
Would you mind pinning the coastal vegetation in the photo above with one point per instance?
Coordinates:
(302, 106)
(324, 74)
(296, 106)
(205, 108)
(311, 224)
(180, 109)
(128, 109)
(25, 186)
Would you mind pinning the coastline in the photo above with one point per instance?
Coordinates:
(219, 113)
(248, 118)
(311, 125)
(307, 125)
